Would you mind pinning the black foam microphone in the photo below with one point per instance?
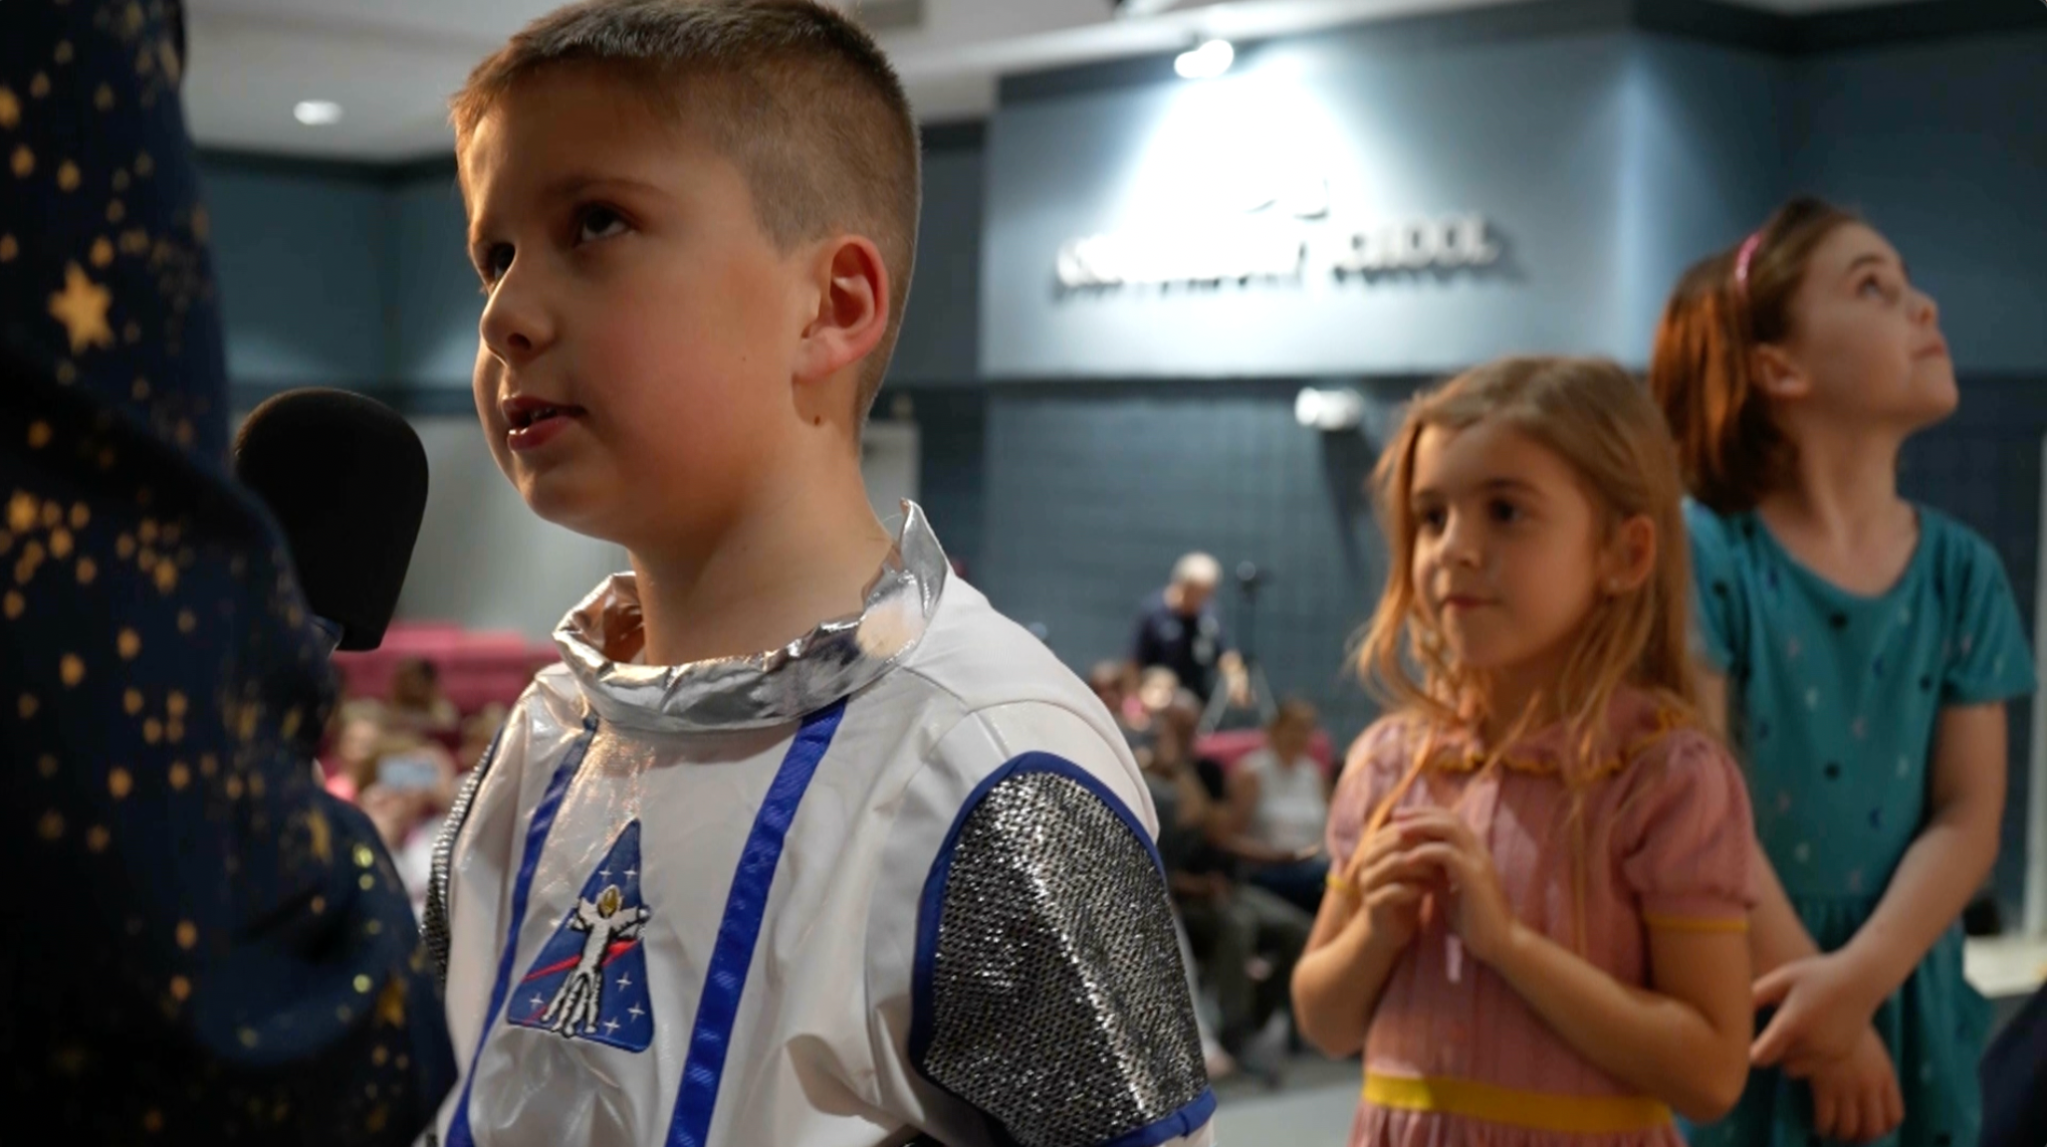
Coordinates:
(346, 478)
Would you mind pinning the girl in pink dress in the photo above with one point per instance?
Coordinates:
(1539, 857)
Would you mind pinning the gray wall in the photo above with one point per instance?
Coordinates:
(1944, 145)
(940, 339)
(300, 258)
(435, 296)
(1094, 492)
(1529, 132)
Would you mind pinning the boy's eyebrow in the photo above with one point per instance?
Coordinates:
(577, 182)
(569, 187)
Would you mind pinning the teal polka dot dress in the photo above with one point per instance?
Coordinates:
(1834, 699)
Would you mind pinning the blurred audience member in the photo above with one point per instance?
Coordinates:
(1180, 630)
(416, 703)
(478, 733)
(1183, 814)
(1245, 938)
(406, 790)
(1279, 797)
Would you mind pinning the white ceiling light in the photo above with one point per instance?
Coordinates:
(316, 113)
(1206, 62)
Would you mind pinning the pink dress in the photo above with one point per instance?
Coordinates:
(1464, 1062)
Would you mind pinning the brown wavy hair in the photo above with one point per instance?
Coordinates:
(1703, 367)
(1602, 423)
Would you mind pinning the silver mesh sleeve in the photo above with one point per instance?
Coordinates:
(433, 924)
(1057, 1003)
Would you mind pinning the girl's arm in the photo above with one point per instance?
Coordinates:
(1826, 1000)
(1685, 1042)
(1949, 860)
(1776, 935)
(1343, 972)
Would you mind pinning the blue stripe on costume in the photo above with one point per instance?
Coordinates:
(536, 842)
(745, 907)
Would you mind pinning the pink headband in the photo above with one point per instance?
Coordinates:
(1742, 260)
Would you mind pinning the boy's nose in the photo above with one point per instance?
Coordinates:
(514, 325)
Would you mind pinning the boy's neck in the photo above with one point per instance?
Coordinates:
(1844, 486)
(802, 555)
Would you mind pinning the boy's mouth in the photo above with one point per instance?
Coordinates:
(531, 422)
(521, 413)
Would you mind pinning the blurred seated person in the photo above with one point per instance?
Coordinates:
(1245, 938)
(479, 732)
(1112, 684)
(405, 787)
(1180, 630)
(1183, 815)
(416, 703)
(1279, 797)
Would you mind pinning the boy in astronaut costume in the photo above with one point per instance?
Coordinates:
(890, 881)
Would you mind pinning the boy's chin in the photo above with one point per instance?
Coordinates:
(573, 510)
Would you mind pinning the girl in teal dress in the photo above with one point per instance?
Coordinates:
(1866, 647)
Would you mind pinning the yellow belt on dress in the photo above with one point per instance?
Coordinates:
(1538, 1110)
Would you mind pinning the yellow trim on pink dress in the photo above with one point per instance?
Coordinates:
(1538, 1110)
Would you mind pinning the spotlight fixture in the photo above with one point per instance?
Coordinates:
(316, 113)
(1206, 62)
(1329, 410)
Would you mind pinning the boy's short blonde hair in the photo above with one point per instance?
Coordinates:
(796, 95)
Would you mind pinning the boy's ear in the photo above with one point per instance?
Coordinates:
(852, 307)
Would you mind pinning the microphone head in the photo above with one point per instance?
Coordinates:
(346, 478)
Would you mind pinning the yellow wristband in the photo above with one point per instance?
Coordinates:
(1340, 884)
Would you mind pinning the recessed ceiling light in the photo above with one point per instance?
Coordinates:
(316, 113)
(1206, 62)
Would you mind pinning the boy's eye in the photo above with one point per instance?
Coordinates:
(598, 223)
(496, 261)
(1505, 513)
(1433, 518)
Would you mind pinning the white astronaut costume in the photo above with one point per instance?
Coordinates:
(892, 884)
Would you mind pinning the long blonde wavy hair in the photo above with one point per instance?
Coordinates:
(1605, 426)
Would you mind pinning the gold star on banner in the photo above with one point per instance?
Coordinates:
(82, 307)
(8, 248)
(24, 162)
(102, 252)
(67, 176)
(39, 85)
(320, 837)
(10, 108)
(391, 1003)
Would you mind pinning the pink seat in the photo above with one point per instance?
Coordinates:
(1229, 748)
